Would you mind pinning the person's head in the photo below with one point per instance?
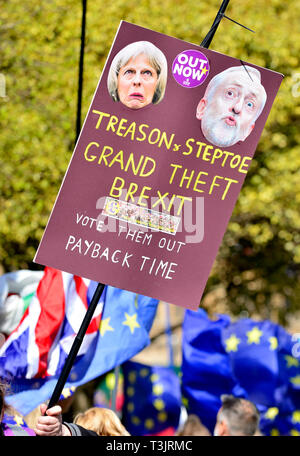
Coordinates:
(236, 417)
(138, 75)
(232, 102)
(101, 420)
(193, 426)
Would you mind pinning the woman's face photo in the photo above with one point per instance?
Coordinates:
(137, 82)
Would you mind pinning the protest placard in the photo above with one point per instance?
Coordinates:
(159, 164)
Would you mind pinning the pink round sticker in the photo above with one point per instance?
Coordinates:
(190, 68)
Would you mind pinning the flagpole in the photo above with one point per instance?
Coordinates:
(220, 15)
(209, 37)
(76, 345)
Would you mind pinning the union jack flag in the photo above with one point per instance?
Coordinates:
(35, 352)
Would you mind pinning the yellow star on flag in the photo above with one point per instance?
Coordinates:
(295, 380)
(162, 417)
(19, 420)
(132, 377)
(295, 433)
(135, 420)
(291, 361)
(254, 335)
(149, 423)
(66, 392)
(271, 413)
(130, 407)
(296, 416)
(144, 372)
(159, 404)
(158, 389)
(154, 378)
(274, 433)
(273, 343)
(130, 391)
(104, 326)
(131, 322)
(232, 343)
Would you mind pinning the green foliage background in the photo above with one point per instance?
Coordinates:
(258, 265)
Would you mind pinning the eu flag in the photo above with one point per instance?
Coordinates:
(246, 358)
(152, 399)
(36, 350)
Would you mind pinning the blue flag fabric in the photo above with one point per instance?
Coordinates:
(152, 399)
(14, 419)
(123, 332)
(249, 359)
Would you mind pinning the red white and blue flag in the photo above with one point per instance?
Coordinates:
(35, 352)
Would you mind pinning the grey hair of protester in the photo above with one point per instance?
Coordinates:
(156, 59)
(240, 415)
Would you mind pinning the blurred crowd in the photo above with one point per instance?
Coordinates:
(236, 417)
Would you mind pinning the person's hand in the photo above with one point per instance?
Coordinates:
(51, 423)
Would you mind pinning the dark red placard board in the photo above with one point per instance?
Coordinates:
(149, 190)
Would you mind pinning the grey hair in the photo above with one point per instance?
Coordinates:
(218, 78)
(240, 415)
(156, 59)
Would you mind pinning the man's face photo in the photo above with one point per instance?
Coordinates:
(231, 104)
